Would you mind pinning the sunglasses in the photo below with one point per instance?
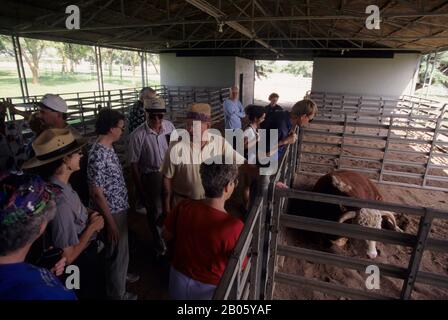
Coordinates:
(154, 116)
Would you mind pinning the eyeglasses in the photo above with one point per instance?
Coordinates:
(153, 116)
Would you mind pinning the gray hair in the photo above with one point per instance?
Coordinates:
(216, 176)
(145, 90)
(23, 232)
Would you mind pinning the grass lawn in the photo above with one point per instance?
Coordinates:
(57, 83)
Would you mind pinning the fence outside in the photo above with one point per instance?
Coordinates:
(83, 107)
(180, 98)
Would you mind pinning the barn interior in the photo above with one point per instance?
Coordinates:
(369, 120)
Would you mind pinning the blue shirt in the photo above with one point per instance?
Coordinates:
(277, 120)
(23, 281)
(233, 112)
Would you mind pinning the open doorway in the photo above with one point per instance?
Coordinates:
(289, 79)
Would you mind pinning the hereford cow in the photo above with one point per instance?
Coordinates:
(354, 185)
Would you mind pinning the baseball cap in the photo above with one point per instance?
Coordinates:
(53, 102)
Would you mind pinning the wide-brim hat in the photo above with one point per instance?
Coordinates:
(200, 111)
(53, 144)
(154, 105)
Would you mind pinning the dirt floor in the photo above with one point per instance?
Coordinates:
(390, 254)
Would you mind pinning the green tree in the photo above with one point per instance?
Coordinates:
(131, 59)
(440, 75)
(263, 68)
(155, 61)
(299, 68)
(109, 56)
(32, 51)
(73, 54)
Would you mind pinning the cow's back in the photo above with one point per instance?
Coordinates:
(356, 185)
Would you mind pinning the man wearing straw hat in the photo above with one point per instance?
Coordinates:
(180, 168)
(147, 148)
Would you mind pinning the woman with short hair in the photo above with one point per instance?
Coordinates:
(203, 235)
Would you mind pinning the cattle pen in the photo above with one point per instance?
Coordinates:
(343, 126)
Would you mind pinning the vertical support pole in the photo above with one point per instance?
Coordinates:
(425, 76)
(299, 150)
(146, 68)
(386, 148)
(122, 101)
(83, 120)
(417, 254)
(293, 163)
(272, 261)
(142, 64)
(432, 73)
(265, 217)
(99, 73)
(256, 254)
(431, 151)
(20, 69)
(343, 141)
(109, 100)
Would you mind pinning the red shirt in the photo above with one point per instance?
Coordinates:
(204, 239)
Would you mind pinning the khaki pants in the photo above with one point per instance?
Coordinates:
(117, 259)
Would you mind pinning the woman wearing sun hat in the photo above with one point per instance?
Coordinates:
(74, 228)
(26, 206)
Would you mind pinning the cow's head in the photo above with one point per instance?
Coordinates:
(371, 218)
(367, 218)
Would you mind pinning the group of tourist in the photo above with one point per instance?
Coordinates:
(184, 199)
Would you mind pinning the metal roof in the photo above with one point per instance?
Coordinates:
(257, 29)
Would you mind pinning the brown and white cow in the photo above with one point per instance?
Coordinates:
(355, 185)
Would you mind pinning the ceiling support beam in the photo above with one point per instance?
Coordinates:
(219, 15)
(433, 11)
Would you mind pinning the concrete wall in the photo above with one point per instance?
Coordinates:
(196, 71)
(366, 76)
(208, 72)
(247, 68)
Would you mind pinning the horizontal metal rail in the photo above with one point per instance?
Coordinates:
(329, 288)
(358, 203)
